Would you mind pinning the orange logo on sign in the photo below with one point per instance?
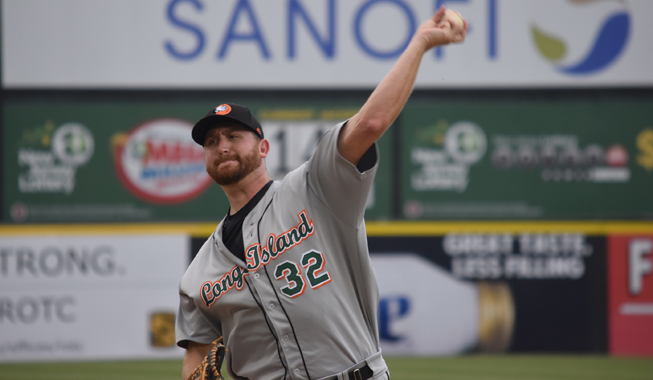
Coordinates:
(222, 109)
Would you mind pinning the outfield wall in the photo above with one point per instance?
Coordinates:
(446, 288)
(114, 157)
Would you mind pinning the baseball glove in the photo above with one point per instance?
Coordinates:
(209, 368)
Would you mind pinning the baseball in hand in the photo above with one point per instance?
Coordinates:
(455, 17)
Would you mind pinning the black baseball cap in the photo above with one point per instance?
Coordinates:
(226, 112)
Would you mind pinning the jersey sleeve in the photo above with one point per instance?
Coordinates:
(338, 183)
(191, 325)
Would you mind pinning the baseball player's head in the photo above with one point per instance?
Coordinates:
(233, 143)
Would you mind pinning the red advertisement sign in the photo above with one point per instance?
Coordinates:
(158, 162)
(630, 294)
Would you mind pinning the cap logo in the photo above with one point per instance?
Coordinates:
(258, 130)
(222, 109)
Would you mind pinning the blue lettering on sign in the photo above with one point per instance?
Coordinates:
(492, 29)
(358, 21)
(244, 7)
(244, 26)
(295, 9)
(171, 171)
(392, 309)
(197, 32)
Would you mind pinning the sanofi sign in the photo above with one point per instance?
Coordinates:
(320, 43)
(297, 16)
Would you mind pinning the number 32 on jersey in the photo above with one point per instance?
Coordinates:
(313, 264)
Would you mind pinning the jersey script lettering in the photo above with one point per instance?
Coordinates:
(211, 291)
(257, 256)
(276, 245)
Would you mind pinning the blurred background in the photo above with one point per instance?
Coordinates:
(511, 213)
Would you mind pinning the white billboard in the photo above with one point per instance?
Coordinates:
(296, 44)
(90, 297)
(426, 311)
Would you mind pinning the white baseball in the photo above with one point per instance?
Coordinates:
(455, 17)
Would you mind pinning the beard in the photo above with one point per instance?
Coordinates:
(229, 175)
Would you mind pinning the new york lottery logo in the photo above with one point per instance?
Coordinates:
(606, 44)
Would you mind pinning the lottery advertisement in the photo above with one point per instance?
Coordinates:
(90, 297)
(564, 159)
(106, 161)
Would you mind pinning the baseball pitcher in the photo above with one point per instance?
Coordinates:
(284, 288)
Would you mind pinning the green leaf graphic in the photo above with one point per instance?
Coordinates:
(550, 47)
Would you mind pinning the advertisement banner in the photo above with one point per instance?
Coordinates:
(504, 159)
(90, 297)
(630, 294)
(505, 292)
(109, 161)
(320, 44)
(520, 292)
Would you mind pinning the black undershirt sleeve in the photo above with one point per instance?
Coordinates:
(368, 160)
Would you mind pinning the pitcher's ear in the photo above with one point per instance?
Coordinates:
(264, 147)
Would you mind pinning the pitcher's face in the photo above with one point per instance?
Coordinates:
(231, 152)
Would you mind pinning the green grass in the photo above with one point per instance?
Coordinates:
(122, 370)
(521, 367)
(473, 367)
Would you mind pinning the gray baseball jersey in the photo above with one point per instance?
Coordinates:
(304, 304)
